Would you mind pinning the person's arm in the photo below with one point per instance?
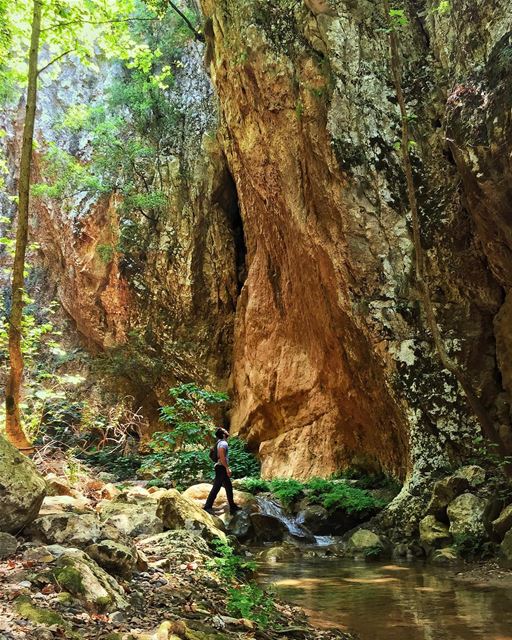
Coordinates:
(223, 461)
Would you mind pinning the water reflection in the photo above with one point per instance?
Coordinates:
(393, 602)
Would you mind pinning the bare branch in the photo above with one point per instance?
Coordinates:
(40, 71)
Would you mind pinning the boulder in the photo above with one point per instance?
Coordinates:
(199, 493)
(474, 475)
(72, 529)
(444, 492)
(131, 518)
(240, 525)
(434, 533)
(266, 528)
(22, 489)
(179, 545)
(315, 518)
(367, 543)
(79, 575)
(8, 545)
(503, 523)
(56, 504)
(466, 515)
(282, 553)
(114, 557)
(178, 512)
(506, 549)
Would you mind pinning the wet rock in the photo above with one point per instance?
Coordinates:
(280, 554)
(466, 515)
(78, 574)
(240, 525)
(503, 523)
(316, 519)
(22, 489)
(114, 557)
(367, 543)
(178, 512)
(433, 532)
(266, 528)
(8, 545)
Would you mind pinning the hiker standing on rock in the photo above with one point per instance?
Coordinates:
(220, 455)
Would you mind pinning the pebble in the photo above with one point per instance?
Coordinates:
(25, 584)
(117, 616)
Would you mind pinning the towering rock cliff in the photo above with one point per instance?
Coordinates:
(283, 266)
(333, 363)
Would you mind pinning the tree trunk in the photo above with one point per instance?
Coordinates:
(13, 426)
(422, 279)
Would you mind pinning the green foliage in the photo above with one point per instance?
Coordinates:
(350, 499)
(242, 462)
(228, 564)
(287, 490)
(443, 8)
(373, 553)
(251, 602)
(182, 452)
(398, 18)
(112, 460)
(255, 485)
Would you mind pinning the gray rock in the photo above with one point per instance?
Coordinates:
(132, 518)
(187, 546)
(267, 528)
(72, 529)
(444, 492)
(22, 489)
(466, 514)
(240, 525)
(114, 557)
(433, 532)
(315, 518)
(8, 545)
(474, 475)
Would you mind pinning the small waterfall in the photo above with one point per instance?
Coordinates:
(324, 541)
(269, 507)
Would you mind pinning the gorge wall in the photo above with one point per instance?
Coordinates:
(292, 280)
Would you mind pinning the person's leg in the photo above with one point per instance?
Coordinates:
(229, 492)
(217, 484)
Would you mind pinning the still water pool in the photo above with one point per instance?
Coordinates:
(392, 602)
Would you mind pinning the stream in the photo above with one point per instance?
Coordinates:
(381, 601)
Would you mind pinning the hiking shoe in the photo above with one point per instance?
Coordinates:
(209, 510)
(234, 509)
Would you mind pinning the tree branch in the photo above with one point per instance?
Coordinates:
(40, 71)
(197, 35)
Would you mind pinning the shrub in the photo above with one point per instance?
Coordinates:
(287, 491)
(255, 485)
(251, 602)
(227, 563)
(242, 462)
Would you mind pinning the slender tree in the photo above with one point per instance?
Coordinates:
(13, 426)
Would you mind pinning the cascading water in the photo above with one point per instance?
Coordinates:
(270, 507)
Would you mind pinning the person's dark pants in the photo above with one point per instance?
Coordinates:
(221, 480)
